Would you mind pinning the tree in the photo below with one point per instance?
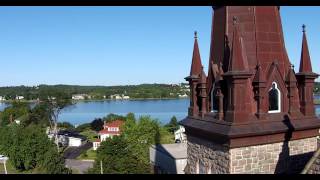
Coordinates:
(97, 124)
(55, 101)
(124, 160)
(16, 110)
(29, 148)
(172, 125)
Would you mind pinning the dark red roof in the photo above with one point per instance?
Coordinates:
(116, 123)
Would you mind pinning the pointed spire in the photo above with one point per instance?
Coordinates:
(196, 59)
(203, 77)
(259, 76)
(291, 78)
(238, 61)
(305, 62)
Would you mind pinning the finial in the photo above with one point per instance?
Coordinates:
(292, 66)
(258, 66)
(235, 20)
(303, 28)
(195, 34)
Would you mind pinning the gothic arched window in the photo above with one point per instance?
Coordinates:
(274, 99)
(214, 105)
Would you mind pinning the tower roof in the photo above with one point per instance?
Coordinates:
(259, 76)
(203, 77)
(305, 62)
(291, 75)
(238, 61)
(196, 59)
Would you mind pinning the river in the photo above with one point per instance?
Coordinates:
(163, 110)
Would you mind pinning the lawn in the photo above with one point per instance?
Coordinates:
(88, 155)
(10, 169)
(91, 135)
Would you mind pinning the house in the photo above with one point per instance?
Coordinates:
(2, 98)
(125, 97)
(79, 96)
(115, 96)
(19, 97)
(183, 96)
(179, 135)
(168, 158)
(68, 138)
(75, 141)
(109, 130)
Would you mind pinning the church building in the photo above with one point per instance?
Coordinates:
(251, 113)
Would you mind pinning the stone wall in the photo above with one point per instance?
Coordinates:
(206, 157)
(284, 157)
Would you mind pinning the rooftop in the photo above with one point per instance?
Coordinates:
(177, 150)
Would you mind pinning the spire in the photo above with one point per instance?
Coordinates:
(291, 78)
(259, 76)
(237, 58)
(196, 59)
(305, 62)
(203, 77)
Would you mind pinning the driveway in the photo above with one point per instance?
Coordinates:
(81, 165)
(74, 152)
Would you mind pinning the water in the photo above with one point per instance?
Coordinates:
(163, 110)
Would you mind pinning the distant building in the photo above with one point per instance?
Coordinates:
(109, 130)
(179, 135)
(168, 158)
(79, 96)
(19, 97)
(68, 138)
(2, 98)
(118, 96)
(183, 96)
(115, 96)
(125, 97)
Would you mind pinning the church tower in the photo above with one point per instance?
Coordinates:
(253, 114)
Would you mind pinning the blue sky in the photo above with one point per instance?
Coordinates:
(120, 45)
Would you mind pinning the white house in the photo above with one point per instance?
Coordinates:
(19, 97)
(109, 130)
(183, 96)
(125, 97)
(78, 96)
(179, 135)
(75, 141)
(2, 98)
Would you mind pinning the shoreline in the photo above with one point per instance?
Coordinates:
(90, 100)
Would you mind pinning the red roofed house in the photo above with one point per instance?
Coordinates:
(109, 130)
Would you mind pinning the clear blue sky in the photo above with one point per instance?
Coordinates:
(120, 45)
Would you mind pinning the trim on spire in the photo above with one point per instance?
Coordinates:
(305, 62)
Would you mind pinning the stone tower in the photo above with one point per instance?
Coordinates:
(257, 115)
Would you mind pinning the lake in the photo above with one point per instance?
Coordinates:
(163, 110)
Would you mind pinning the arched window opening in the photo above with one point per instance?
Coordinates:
(214, 103)
(274, 99)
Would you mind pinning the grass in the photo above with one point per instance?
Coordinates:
(88, 155)
(90, 134)
(317, 101)
(10, 169)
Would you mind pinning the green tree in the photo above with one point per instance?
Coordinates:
(11, 113)
(173, 125)
(29, 148)
(118, 158)
(97, 124)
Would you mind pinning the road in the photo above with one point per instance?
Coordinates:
(74, 152)
(81, 165)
